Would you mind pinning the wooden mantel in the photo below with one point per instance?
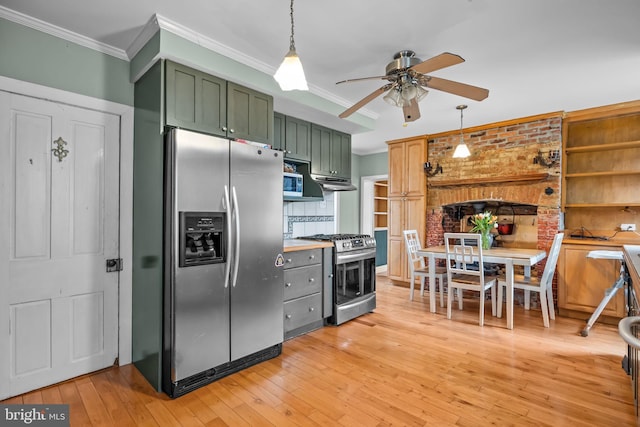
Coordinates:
(505, 179)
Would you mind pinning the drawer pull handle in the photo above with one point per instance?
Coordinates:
(288, 316)
(312, 256)
(311, 308)
(311, 280)
(287, 285)
(289, 260)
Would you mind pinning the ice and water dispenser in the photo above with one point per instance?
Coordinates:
(202, 238)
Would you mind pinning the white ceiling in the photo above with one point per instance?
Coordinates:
(534, 56)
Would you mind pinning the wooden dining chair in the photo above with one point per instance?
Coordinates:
(418, 268)
(465, 270)
(543, 285)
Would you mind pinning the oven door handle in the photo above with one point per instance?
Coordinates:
(345, 258)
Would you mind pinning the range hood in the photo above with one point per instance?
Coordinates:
(334, 184)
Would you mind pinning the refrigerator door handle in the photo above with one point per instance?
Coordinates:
(227, 206)
(236, 257)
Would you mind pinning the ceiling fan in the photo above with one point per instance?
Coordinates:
(407, 76)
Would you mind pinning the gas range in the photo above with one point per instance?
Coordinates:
(354, 274)
(345, 242)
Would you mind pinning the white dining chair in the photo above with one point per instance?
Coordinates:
(543, 285)
(418, 268)
(465, 270)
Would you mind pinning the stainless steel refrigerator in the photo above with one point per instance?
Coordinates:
(223, 296)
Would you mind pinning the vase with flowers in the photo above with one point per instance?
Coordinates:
(483, 223)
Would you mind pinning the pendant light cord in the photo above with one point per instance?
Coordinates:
(292, 44)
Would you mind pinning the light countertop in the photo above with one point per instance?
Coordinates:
(291, 245)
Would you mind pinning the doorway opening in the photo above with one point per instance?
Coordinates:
(374, 215)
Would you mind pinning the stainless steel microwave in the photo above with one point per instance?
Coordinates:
(292, 184)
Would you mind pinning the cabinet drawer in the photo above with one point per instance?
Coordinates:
(301, 258)
(302, 311)
(302, 281)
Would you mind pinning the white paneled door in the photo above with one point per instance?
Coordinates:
(58, 227)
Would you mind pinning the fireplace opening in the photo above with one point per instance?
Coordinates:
(518, 222)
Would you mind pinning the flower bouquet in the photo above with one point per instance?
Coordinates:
(483, 223)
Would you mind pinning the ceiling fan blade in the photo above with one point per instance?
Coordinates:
(364, 101)
(362, 78)
(411, 111)
(456, 88)
(443, 60)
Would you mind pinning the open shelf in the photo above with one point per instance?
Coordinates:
(603, 147)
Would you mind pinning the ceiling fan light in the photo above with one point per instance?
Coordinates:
(393, 98)
(462, 151)
(290, 75)
(409, 92)
(421, 93)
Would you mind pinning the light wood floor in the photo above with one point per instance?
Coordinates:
(398, 366)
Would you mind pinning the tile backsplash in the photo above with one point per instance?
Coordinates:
(307, 218)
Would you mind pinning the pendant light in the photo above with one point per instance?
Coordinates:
(290, 75)
(462, 150)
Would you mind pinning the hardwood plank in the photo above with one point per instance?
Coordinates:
(400, 365)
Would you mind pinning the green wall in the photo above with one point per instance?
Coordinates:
(369, 165)
(33, 56)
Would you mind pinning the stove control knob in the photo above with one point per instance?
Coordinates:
(346, 245)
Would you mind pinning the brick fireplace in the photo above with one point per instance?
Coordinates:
(500, 171)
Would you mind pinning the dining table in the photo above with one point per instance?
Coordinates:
(509, 257)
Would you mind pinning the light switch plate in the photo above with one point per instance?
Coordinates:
(628, 227)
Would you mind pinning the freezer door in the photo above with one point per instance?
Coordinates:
(199, 307)
(257, 292)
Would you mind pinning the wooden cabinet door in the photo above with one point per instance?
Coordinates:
(405, 213)
(397, 170)
(321, 140)
(195, 100)
(582, 281)
(249, 114)
(297, 138)
(415, 156)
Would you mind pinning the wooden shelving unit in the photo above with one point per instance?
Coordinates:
(601, 165)
(601, 172)
(380, 205)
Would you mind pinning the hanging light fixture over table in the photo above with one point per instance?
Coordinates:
(462, 150)
(290, 75)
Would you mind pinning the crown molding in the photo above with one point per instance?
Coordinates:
(59, 32)
(157, 22)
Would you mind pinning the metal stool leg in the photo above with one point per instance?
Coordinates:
(608, 294)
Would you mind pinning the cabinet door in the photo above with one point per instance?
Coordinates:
(249, 114)
(278, 131)
(415, 156)
(397, 170)
(321, 140)
(582, 281)
(405, 213)
(195, 100)
(341, 154)
(297, 139)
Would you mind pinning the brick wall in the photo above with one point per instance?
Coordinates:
(505, 150)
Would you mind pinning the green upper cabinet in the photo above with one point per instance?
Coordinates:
(201, 102)
(195, 100)
(341, 154)
(321, 150)
(330, 152)
(297, 139)
(278, 132)
(249, 114)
